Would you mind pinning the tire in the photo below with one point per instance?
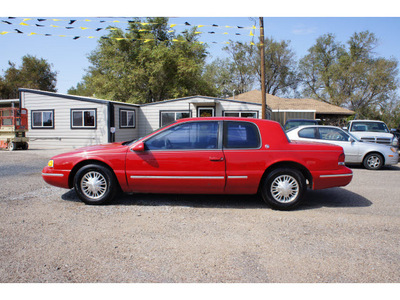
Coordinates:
(25, 146)
(12, 146)
(284, 188)
(373, 161)
(95, 184)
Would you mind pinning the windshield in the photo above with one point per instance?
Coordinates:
(369, 126)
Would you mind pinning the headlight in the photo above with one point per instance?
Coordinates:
(395, 141)
(50, 163)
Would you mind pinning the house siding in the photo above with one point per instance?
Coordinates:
(62, 135)
(125, 134)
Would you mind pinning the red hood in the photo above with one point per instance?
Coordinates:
(92, 149)
(99, 147)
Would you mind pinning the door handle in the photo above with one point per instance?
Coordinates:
(215, 158)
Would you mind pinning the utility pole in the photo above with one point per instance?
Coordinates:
(262, 51)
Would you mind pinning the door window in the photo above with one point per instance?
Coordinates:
(187, 136)
(332, 134)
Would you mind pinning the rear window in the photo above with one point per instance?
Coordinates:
(243, 135)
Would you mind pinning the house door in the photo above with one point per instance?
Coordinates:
(206, 111)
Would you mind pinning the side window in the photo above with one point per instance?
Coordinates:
(308, 133)
(187, 136)
(42, 119)
(169, 117)
(126, 118)
(83, 118)
(332, 134)
(241, 135)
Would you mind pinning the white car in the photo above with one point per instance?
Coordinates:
(372, 131)
(372, 155)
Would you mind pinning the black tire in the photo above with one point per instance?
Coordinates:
(95, 184)
(25, 146)
(373, 161)
(284, 188)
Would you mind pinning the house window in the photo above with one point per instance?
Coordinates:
(127, 118)
(205, 112)
(42, 119)
(168, 117)
(83, 118)
(241, 114)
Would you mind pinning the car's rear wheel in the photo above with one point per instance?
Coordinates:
(283, 188)
(95, 184)
(373, 161)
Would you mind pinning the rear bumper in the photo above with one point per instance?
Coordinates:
(333, 178)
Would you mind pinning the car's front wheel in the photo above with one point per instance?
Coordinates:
(95, 184)
(373, 161)
(283, 188)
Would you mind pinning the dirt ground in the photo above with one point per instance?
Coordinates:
(341, 235)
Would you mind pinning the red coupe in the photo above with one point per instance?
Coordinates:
(203, 156)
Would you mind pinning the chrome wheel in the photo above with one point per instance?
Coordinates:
(94, 185)
(285, 189)
(374, 161)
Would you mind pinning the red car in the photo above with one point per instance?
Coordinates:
(203, 156)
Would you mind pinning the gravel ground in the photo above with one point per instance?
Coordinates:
(349, 234)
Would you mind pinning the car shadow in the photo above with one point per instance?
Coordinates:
(334, 197)
(384, 168)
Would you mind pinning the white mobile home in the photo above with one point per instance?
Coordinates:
(66, 121)
(57, 120)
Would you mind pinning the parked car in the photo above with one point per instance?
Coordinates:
(291, 123)
(372, 155)
(203, 156)
(372, 131)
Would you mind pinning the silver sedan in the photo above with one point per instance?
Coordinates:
(373, 156)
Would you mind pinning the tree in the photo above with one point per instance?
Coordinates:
(352, 77)
(145, 64)
(34, 73)
(280, 66)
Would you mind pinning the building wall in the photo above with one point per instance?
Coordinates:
(62, 135)
(125, 134)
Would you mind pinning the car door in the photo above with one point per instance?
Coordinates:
(185, 158)
(245, 161)
(338, 137)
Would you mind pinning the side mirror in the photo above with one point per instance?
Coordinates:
(138, 147)
(351, 140)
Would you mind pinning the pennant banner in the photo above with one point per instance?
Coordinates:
(45, 23)
(145, 40)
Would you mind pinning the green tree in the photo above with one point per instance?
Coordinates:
(146, 63)
(245, 72)
(352, 77)
(34, 73)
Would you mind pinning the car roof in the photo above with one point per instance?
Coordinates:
(319, 126)
(367, 121)
(254, 120)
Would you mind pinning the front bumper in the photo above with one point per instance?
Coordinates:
(56, 177)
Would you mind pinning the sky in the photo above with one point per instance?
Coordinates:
(291, 20)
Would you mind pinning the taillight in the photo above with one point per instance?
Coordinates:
(341, 159)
